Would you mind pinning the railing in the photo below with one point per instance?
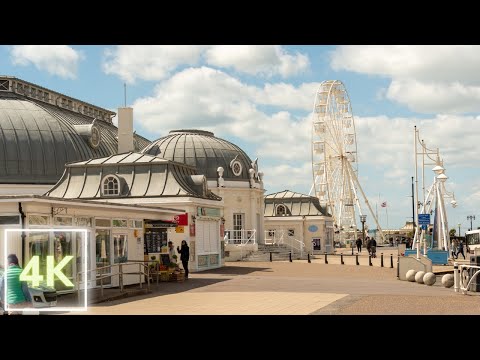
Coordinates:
(275, 237)
(143, 270)
(461, 277)
(278, 237)
(241, 237)
(299, 245)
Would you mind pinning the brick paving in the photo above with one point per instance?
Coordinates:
(294, 289)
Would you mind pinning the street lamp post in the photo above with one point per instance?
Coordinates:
(413, 207)
(363, 218)
(471, 217)
(459, 234)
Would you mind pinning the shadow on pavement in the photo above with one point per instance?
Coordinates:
(135, 294)
(236, 270)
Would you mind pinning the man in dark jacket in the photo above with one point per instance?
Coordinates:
(184, 256)
(359, 245)
(373, 247)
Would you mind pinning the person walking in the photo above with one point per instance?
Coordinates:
(369, 246)
(18, 296)
(454, 248)
(184, 256)
(359, 245)
(373, 247)
(460, 249)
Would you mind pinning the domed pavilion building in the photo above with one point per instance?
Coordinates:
(230, 174)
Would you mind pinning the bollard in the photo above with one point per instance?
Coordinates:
(326, 260)
(370, 260)
(352, 249)
(271, 257)
(356, 259)
(290, 256)
(308, 258)
(398, 267)
(391, 261)
(381, 260)
(341, 259)
(456, 277)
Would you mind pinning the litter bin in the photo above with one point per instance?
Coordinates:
(475, 285)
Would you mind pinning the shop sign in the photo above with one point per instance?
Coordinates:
(181, 219)
(160, 224)
(206, 211)
(179, 230)
(192, 230)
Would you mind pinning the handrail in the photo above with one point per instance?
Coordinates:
(459, 281)
(302, 246)
(100, 276)
(276, 239)
(241, 237)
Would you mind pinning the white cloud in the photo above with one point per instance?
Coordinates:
(213, 100)
(435, 97)
(388, 142)
(287, 177)
(428, 79)
(288, 96)
(266, 60)
(156, 62)
(148, 62)
(61, 60)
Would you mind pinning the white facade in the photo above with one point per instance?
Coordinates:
(107, 226)
(314, 232)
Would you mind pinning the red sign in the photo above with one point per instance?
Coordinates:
(222, 230)
(192, 230)
(181, 219)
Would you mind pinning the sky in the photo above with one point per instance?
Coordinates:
(261, 97)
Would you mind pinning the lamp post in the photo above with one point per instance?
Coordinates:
(471, 217)
(413, 207)
(459, 234)
(363, 218)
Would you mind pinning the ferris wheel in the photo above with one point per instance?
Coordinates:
(335, 157)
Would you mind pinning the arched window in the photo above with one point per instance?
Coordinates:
(111, 186)
(281, 211)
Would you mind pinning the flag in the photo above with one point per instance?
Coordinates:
(384, 204)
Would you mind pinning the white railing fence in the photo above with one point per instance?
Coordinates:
(463, 278)
(279, 237)
(241, 237)
(274, 237)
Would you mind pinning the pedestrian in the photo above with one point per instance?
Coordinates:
(454, 248)
(18, 296)
(369, 246)
(171, 253)
(460, 249)
(373, 247)
(184, 256)
(359, 245)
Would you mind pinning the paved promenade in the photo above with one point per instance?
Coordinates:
(296, 288)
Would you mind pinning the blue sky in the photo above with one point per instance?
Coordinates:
(261, 97)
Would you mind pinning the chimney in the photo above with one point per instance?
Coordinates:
(125, 130)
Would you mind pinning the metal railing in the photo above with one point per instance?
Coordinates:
(275, 237)
(241, 237)
(461, 277)
(298, 245)
(278, 237)
(100, 275)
